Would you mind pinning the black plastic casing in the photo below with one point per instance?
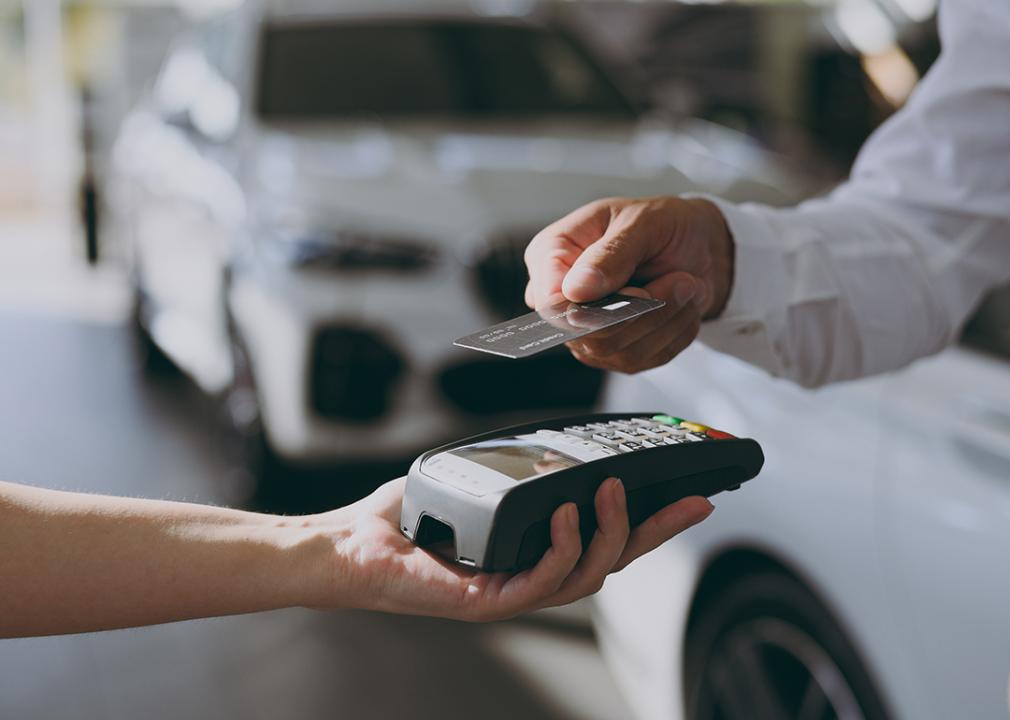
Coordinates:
(510, 529)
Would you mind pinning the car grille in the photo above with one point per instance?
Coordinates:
(362, 253)
(353, 375)
(499, 274)
(553, 381)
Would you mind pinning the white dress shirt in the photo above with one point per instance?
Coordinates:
(890, 266)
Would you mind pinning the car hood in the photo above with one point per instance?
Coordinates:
(427, 179)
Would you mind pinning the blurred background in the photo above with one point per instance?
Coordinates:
(294, 204)
(237, 238)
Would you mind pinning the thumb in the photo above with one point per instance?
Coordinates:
(678, 288)
(604, 267)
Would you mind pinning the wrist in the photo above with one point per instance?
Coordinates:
(721, 248)
(312, 562)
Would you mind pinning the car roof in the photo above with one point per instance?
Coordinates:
(296, 10)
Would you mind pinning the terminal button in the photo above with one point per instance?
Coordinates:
(622, 425)
(720, 435)
(608, 439)
(667, 419)
(550, 433)
(653, 433)
(693, 426)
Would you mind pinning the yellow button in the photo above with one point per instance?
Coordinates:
(692, 426)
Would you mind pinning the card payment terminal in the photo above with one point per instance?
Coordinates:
(493, 495)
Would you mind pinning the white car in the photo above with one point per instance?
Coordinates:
(319, 197)
(863, 574)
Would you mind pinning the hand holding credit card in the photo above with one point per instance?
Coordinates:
(555, 325)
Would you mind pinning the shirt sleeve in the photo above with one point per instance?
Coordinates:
(888, 267)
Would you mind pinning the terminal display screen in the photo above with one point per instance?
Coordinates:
(516, 458)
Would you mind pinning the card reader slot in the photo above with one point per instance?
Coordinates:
(438, 537)
(431, 531)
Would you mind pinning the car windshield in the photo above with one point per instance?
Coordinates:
(333, 71)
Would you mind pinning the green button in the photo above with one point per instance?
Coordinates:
(667, 419)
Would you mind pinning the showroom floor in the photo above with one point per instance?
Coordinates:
(76, 414)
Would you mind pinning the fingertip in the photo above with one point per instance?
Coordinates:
(572, 512)
(684, 290)
(565, 526)
(605, 495)
(688, 512)
(548, 299)
(635, 292)
(584, 283)
(611, 507)
(701, 295)
(614, 489)
(703, 504)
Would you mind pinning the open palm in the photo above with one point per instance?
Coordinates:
(398, 576)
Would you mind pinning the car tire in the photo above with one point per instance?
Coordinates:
(763, 645)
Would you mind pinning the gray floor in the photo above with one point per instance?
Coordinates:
(75, 414)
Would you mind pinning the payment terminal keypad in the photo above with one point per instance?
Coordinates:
(631, 434)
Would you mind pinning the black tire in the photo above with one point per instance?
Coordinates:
(764, 646)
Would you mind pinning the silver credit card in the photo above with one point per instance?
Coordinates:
(535, 332)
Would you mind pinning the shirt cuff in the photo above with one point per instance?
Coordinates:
(746, 326)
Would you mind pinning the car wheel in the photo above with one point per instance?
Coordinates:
(763, 646)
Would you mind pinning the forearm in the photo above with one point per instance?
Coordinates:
(889, 267)
(75, 563)
(830, 292)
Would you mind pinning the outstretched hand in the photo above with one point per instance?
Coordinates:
(673, 249)
(388, 572)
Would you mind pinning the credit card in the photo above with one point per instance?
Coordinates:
(535, 332)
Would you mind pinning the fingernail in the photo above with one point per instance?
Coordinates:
(573, 517)
(683, 291)
(700, 295)
(584, 282)
(619, 495)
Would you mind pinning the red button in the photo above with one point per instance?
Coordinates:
(720, 435)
